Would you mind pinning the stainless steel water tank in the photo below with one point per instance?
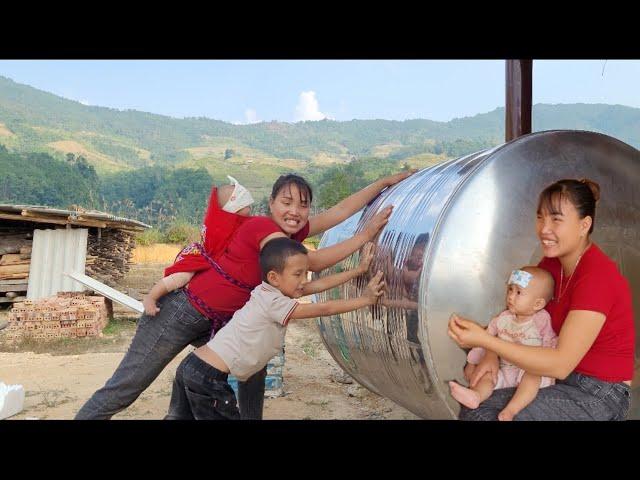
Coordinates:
(456, 232)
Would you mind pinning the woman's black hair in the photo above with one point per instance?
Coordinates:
(583, 194)
(292, 179)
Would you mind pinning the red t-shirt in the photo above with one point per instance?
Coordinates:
(598, 286)
(240, 260)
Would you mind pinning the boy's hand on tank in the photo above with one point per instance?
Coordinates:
(374, 289)
(378, 221)
(150, 307)
(366, 257)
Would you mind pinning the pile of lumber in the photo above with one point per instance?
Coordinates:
(15, 257)
(67, 314)
(109, 255)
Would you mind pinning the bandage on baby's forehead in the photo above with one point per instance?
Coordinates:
(520, 278)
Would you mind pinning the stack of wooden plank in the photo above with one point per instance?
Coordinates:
(67, 314)
(109, 255)
(15, 257)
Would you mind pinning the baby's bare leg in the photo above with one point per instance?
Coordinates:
(469, 368)
(473, 396)
(523, 396)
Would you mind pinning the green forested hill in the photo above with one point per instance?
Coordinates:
(156, 168)
(112, 140)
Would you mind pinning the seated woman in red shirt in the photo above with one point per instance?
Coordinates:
(591, 312)
(192, 314)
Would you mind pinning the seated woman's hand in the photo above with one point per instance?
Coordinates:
(466, 333)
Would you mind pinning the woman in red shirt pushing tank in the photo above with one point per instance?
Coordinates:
(192, 314)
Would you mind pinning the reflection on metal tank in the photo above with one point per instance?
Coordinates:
(456, 232)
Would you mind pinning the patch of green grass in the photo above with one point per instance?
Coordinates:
(315, 240)
(119, 325)
(310, 349)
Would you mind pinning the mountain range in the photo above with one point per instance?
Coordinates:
(112, 140)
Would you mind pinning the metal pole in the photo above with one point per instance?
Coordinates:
(518, 98)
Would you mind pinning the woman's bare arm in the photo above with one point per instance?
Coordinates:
(329, 256)
(579, 331)
(330, 281)
(350, 205)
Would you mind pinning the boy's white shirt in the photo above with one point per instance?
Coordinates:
(255, 333)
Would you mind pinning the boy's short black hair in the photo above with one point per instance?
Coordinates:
(275, 253)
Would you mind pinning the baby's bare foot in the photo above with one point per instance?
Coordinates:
(464, 395)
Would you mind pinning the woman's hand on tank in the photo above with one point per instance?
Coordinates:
(378, 221)
(467, 334)
(398, 177)
(374, 289)
(365, 258)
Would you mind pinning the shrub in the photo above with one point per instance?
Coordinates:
(149, 237)
(182, 232)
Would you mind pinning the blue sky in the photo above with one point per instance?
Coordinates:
(291, 90)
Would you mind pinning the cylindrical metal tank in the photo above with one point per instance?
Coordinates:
(456, 232)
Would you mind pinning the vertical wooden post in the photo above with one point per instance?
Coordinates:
(518, 98)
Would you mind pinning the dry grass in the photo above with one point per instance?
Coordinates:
(156, 253)
(165, 253)
(95, 158)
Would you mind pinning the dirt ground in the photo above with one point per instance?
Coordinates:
(60, 376)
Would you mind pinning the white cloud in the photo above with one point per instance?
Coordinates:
(308, 107)
(85, 102)
(251, 115)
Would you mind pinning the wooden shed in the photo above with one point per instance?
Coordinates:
(38, 244)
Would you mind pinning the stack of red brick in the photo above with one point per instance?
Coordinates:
(68, 314)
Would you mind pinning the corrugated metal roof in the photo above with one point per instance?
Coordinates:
(53, 253)
(72, 217)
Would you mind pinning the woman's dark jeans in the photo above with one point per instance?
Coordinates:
(577, 397)
(157, 341)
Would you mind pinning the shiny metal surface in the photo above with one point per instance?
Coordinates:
(457, 231)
